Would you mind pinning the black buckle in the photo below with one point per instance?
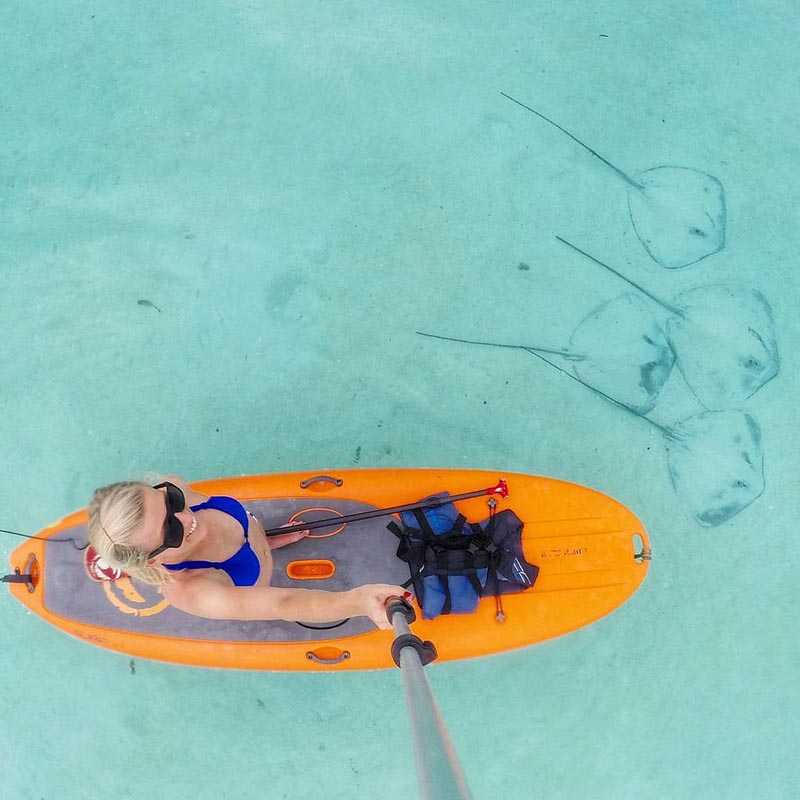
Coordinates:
(427, 650)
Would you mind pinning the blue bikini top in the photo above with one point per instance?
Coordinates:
(243, 566)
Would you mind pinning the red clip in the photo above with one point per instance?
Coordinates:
(501, 488)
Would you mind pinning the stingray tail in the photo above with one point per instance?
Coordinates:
(669, 433)
(624, 175)
(568, 355)
(673, 309)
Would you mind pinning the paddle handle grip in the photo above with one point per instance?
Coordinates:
(399, 605)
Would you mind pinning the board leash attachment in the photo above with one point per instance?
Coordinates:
(30, 577)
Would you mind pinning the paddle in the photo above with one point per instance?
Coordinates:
(431, 502)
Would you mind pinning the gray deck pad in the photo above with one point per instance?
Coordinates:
(364, 552)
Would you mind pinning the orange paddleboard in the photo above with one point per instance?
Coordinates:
(591, 551)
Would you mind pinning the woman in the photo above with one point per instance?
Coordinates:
(211, 558)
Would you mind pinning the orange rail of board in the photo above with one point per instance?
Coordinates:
(592, 551)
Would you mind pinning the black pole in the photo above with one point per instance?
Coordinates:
(439, 772)
(431, 502)
(17, 578)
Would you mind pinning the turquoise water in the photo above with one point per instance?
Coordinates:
(222, 225)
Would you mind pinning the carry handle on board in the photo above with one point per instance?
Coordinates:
(501, 488)
(440, 775)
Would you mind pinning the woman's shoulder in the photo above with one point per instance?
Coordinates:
(201, 595)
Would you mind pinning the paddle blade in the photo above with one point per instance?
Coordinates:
(678, 215)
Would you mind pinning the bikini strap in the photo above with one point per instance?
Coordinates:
(228, 505)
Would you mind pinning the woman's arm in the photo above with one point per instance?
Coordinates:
(207, 598)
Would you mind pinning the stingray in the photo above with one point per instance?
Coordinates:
(617, 348)
(716, 464)
(723, 337)
(678, 213)
(715, 459)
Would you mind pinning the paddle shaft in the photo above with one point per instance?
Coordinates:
(432, 502)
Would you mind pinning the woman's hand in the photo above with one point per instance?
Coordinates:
(371, 601)
(282, 539)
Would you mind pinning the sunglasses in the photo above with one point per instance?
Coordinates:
(173, 527)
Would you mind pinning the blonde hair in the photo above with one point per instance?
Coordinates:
(115, 514)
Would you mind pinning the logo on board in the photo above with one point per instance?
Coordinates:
(140, 601)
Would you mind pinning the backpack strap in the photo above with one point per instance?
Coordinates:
(396, 530)
(482, 540)
(413, 553)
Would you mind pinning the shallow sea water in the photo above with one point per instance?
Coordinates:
(223, 224)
